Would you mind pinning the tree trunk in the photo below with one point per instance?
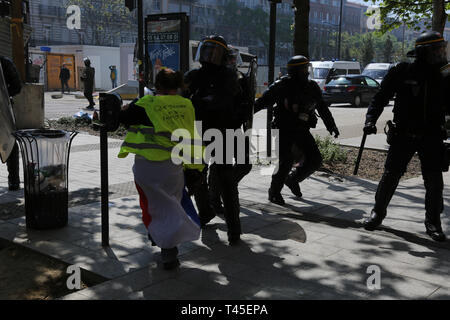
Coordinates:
(301, 33)
(439, 16)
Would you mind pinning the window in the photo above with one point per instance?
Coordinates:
(340, 72)
(371, 83)
(156, 5)
(340, 81)
(320, 73)
(353, 71)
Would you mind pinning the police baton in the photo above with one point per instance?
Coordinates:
(361, 148)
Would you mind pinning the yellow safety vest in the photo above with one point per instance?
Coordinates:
(167, 113)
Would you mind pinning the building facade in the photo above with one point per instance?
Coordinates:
(235, 22)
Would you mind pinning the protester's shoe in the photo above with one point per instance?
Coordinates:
(171, 264)
(435, 232)
(372, 222)
(276, 198)
(294, 186)
(89, 108)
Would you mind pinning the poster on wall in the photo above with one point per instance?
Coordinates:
(166, 38)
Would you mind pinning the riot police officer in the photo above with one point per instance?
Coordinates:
(213, 89)
(242, 114)
(421, 102)
(297, 98)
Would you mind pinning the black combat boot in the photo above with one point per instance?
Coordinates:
(292, 184)
(276, 198)
(435, 231)
(372, 222)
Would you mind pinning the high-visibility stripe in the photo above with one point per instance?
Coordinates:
(210, 40)
(430, 41)
(142, 146)
(150, 131)
(297, 64)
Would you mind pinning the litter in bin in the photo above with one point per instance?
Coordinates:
(47, 179)
(83, 115)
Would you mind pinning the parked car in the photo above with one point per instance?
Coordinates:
(377, 71)
(357, 90)
(322, 71)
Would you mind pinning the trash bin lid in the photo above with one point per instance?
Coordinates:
(44, 133)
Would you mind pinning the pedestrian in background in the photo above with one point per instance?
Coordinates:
(421, 101)
(13, 85)
(64, 76)
(167, 210)
(88, 80)
(113, 76)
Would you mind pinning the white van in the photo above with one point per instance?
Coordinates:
(320, 70)
(377, 71)
(246, 57)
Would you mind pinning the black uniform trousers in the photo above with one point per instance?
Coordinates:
(13, 166)
(240, 170)
(226, 186)
(65, 85)
(305, 142)
(89, 97)
(430, 150)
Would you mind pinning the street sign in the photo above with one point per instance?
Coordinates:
(166, 43)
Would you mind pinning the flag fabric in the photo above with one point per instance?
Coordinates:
(167, 210)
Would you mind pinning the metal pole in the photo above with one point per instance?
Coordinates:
(140, 47)
(104, 185)
(273, 21)
(340, 28)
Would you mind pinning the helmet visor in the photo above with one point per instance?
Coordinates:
(234, 58)
(434, 53)
(211, 51)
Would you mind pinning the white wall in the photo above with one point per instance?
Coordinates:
(101, 58)
(126, 62)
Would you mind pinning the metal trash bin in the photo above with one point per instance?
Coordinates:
(45, 158)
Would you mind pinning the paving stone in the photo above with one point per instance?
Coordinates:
(73, 296)
(173, 289)
(442, 293)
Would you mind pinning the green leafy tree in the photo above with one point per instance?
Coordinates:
(241, 23)
(103, 20)
(394, 13)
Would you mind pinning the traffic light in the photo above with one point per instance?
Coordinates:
(130, 4)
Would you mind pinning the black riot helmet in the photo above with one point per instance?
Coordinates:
(87, 62)
(297, 67)
(430, 48)
(212, 50)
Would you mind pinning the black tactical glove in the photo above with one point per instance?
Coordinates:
(193, 180)
(334, 130)
(370, 128)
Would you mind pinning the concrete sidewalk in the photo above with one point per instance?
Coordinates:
(312, 248)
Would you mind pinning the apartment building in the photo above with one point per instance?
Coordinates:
(48, 19)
